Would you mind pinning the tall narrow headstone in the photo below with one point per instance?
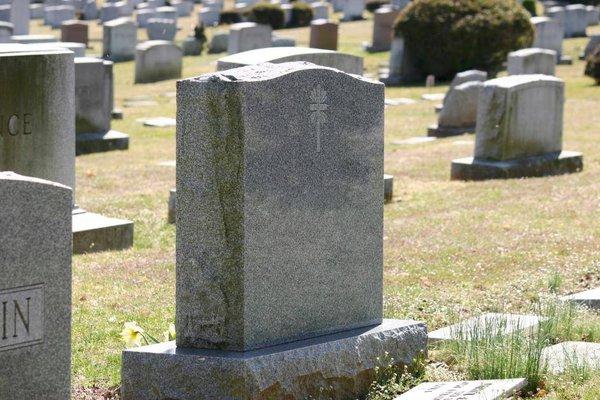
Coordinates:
(519, 131)
(269, 243)
(383, 28)
(35, 288)
(575, 20)
(93, 107)
(19, 16)
(549, 35)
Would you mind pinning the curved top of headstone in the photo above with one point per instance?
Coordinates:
(89, 60)
(268, 71)
(346, 62)
(531, 51)
(33, 38)
(539, 20)
(151, 44)
(517, 81)
(242, 25)
(12, 176)
(322, 21)
(575, 7)
(72, 46)
(7, 25)
(467, 76)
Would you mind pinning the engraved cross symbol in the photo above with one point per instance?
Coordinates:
(318, 106)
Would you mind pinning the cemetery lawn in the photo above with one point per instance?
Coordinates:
(452, 249)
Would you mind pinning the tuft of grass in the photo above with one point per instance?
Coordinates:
(392, 379)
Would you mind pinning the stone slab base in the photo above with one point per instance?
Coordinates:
(565, 60)
(117, 113)
(94, 232)
(336, 366)
(470, 169)
(442, 131)
(87, 143)
(368, 47)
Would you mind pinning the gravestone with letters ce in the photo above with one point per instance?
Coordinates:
(37, 133)
(269, 242)
(35, 288)
(519, 131)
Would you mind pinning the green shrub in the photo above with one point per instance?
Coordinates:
(302, 14)
(373, 5)
(530, 6)
(268, 14)
(444, 37)
(229, 16)
(592, 68)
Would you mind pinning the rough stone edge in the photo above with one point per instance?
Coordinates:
(112, 234)
(344, 362)
(470, 169)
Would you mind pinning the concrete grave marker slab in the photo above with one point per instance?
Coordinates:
(532, 61)
(519, 131)
(157, 60)
(486, 324)
(472, 75)
(35, 288)
(495, 389)
(323, 34)
(74, 31)
(119, 40)
(246, 36)
(589, 298)
(161, 29)
(277, 55)
(459, 114)
(572, 355)
(328, 152)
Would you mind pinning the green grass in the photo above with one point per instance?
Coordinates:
(451, 248)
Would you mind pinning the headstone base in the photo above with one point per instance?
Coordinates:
(117, 113)
(470, 169)
(445, 131)
(335, 366)
(565, 60)
(370, 48)
(94, 232)
(87, 143)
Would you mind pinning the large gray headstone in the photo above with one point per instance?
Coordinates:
(37, 127)
(92, 100)
(327, 58)
(35, 288)
(119, 40)
(383, 26)
(519, 116)
(269, 241)
(246, 36)
(157, 60)
(19, 16)
(532, 61)
(353, 9)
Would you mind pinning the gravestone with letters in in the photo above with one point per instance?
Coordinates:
(277, 273)
(35, 288)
